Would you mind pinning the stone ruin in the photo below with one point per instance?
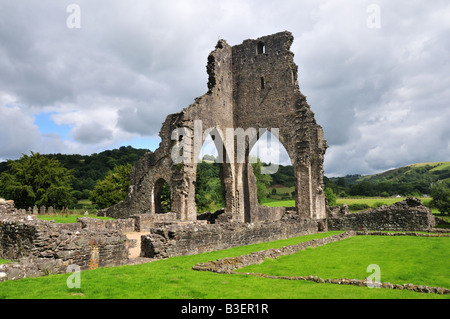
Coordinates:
(251, 85)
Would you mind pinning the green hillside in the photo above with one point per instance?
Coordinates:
(408, 180)
(88, 169)
(422, 172)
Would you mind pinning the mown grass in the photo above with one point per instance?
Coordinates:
(416, 260)
(369, 202)
(69, 218)
(372, 202)
(174, 278)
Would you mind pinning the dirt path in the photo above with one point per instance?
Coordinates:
(135, 252)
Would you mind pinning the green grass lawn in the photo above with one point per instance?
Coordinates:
(372, 202)
(174, 278)
(68, 218)
(402, 260)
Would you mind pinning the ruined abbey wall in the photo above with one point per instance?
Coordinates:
(408, 215)
(250, 86)
(25, 236)
(176, 240)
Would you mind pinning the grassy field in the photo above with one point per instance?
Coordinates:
(57, 218)
(417, 260)
(370, 201)
(3, 261)
(174, 278)
(83, 205)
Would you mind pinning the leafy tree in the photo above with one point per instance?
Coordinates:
(113, 188)
(330, 196)
(166, 201)
(440, 192)
(262, 180)
(37, 180)
(208, 187)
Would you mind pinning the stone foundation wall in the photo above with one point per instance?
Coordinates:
(228, 265)
(26, 236)
(176, 240)
(144, 222)
(407, 215)
(232, 264)
(7, 207)
(123, 225)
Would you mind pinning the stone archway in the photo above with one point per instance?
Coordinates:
(162, 196)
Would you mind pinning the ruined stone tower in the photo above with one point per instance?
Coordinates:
(251, 85)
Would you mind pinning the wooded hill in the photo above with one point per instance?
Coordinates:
(408, 180)
(88, 169)
(412, 179)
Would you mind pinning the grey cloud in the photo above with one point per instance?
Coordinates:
(143, 61)
(17, 132)
(91, 133)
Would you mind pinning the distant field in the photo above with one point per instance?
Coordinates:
(63, 219)
(438, 165)
(374, 201)
(370, 201)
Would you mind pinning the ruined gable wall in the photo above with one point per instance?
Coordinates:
(248, 87)
(267, 95)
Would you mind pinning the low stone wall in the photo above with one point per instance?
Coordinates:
(232, 264)
(26, 236)
(144, 222)
(189, 239)
(407, 215)
(228, 265)
(123, 225)
(32, 267)
(39, 247)
(266, 213)
(7, 207)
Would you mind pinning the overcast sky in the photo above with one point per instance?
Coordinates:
(376, 73)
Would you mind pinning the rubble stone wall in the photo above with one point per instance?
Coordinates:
(25, 236)
(123, 225)
(176, 240)
(407, 215)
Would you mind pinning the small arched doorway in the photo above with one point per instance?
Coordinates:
(163, 197)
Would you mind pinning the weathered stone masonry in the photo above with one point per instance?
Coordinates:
(41, 247)
(174, 240)
(408, 215)
(251, 85)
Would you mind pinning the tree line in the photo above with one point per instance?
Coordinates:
(59, 181)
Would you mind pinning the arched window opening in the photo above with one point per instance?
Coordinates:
(209, 188)
(274, 172)
(261, 48)
(163, 197)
